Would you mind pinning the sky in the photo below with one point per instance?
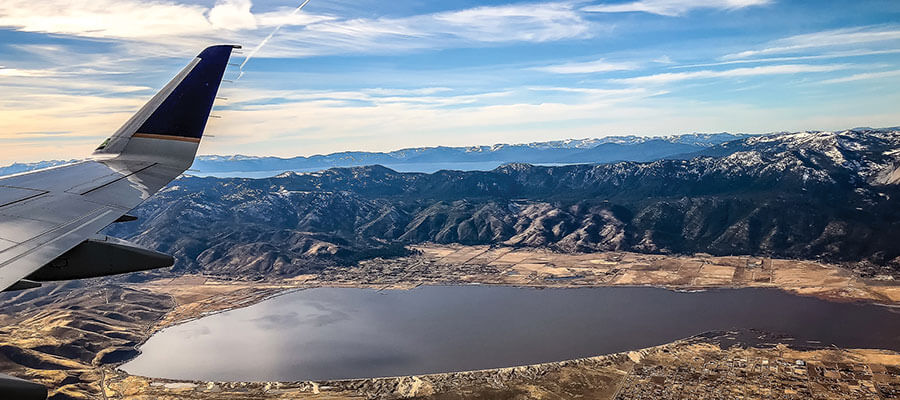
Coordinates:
(371, 75)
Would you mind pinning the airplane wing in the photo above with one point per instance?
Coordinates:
(50, 218)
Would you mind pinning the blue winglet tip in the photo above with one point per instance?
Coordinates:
(218, 51)
(185, 111)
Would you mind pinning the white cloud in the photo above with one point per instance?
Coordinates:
(310, 122)
(588, 67)
(379, 116)
(286, 16)
(27, 82)
(105, 18)
(537, 22)
(406, 92)
(846, 38)
(232, 15)
(301, 124)
(431, 97)
(658, 79)
(673, 8)
(590, 91)
(836, 54)
(534, 23)
(605, 96)
(87, 120)
(865, 76)
(161, 26)
(21, 73)
(316, 126)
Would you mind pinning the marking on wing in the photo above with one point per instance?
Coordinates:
(166, 137)
(5, 244)
(116, 180)
(11, 194)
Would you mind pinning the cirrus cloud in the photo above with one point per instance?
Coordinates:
(149, 27)
(669, 77)
(830, 39)
(588, 67)
(673, 8)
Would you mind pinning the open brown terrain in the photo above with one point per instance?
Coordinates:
(72, 336)
(696, 368)
(543, 268)
(62, 336)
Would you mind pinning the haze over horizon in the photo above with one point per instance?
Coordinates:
(380, 76)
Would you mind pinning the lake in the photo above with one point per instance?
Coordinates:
(337, 333)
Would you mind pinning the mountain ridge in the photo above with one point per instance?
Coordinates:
(811, 195)
(429, 159)
(568, 151)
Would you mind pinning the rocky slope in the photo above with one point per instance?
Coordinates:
(829, 196)
(60, 334)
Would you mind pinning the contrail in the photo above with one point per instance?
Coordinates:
(266, 40)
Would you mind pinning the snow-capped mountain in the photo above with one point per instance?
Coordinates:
(16, 168)
(429, 159)
(871, 155)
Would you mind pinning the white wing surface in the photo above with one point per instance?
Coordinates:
(50, 218)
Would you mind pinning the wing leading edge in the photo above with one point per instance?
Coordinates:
(49, 219)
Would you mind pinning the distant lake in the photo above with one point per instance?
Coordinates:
(335, 333)
(399, 167)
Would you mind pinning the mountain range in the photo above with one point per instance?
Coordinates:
(831, 196)
(430, 159)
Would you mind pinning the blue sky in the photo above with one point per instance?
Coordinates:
(382, 75)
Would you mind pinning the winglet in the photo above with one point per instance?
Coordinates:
(179, 112)
(185, 111)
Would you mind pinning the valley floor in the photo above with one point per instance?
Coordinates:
(456, 264)
(72, 339)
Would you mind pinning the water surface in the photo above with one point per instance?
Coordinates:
(335, 333)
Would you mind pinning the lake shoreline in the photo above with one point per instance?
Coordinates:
(611, 374)
(440, 323)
